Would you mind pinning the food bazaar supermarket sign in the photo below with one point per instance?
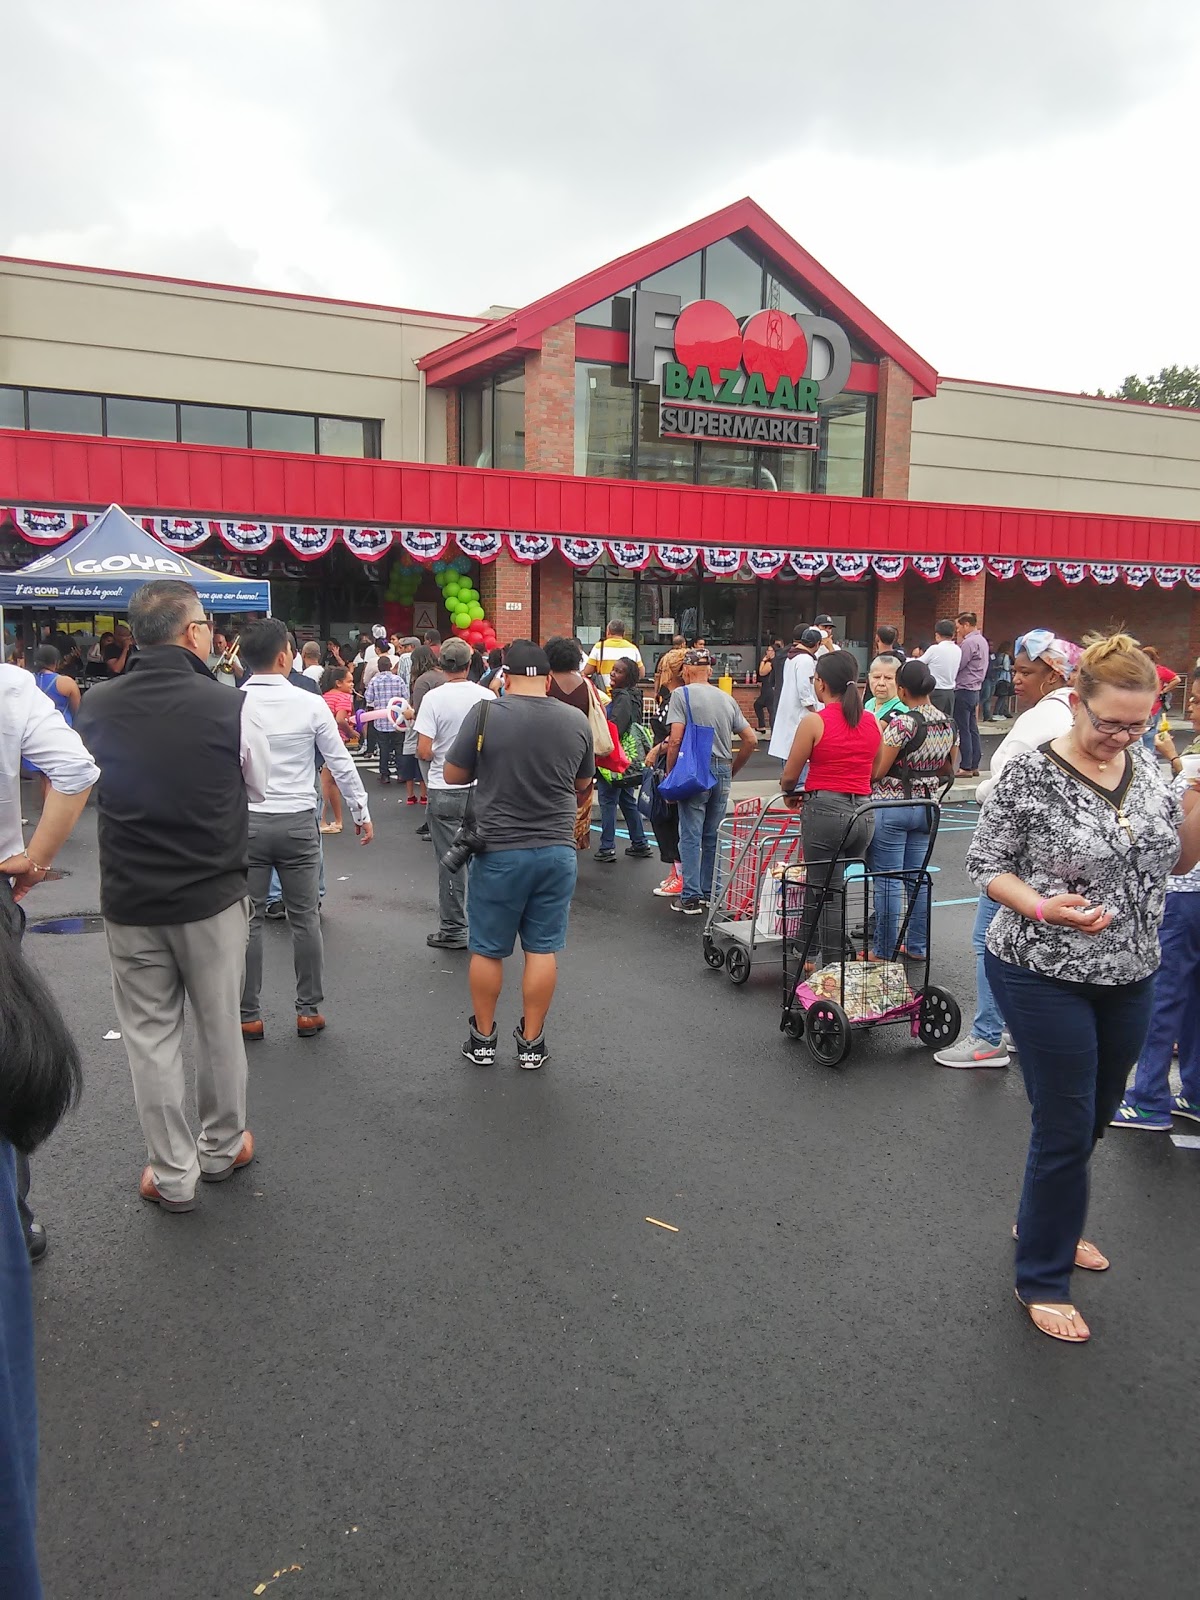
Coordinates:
(754, 382)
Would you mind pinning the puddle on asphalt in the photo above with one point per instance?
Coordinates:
(91, 922)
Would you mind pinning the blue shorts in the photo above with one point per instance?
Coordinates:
(526, 892)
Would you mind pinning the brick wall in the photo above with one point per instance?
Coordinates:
(1169, 619)
(550, 402)
(453, 414)
(893, 432)
(502, 582)
(890, 604)
(554, 597)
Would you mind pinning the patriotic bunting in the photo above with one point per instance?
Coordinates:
(1167, 577)
(765, 563)
(178, 533)
(481, 547)
(1003, 567)
(1136, 577)
(424, 543)
(527, 547)
(931, 567)
(851, 568)
(307, 543)
(967, 566)
(889, 568)
(678, 557)
(628, 555)
(1192, 575)
(1036, 571)
(722, 563)
(808, 563)
(368, 544)
(582, 552)
(45, 527)
(248, 538)
(1103, 571)
(1071, 571)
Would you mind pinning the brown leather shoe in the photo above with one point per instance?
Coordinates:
(243, 1159)
(148, 1190)
(252, 1030)
(307, 1026)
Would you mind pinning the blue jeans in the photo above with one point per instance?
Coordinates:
(521, 892)
(1176, 1015)
(900, 842)
(988, 1024)
(612, 795)
(699, 819)
(1077, 1043)
(970, 751)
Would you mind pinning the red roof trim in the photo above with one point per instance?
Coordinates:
(485, 345)
(235, 288)
(42, 469)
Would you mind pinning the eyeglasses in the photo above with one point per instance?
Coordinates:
(1114, 730)
(199, 622)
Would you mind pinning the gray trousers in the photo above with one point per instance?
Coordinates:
(153, 968)
(822, 828)
(445, 814)
(943, 699)
(290, 842)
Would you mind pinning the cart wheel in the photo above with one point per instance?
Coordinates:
(940, 1021)
(827, 1033)
(712, 956)
(792, 1022)
(737, 964)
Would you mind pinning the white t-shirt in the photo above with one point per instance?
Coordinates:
(440, 717)
(943, 660)
(315, 672)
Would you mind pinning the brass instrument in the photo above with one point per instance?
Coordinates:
(226, 662)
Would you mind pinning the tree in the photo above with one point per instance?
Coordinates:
(1173, 386)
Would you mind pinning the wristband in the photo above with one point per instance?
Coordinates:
(1039, 911)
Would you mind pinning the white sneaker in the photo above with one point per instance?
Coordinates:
(1007, 1042)
(973, 1052)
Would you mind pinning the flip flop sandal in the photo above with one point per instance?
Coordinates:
(1067, 1313)
(1086, 1255)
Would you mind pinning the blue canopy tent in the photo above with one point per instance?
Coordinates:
(106, 563)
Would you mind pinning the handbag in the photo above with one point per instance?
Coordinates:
(692, 773)
(603, 733)
(649, 799)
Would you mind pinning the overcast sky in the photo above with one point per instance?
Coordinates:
(1012, 188)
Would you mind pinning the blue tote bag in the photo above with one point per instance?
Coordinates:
(692, 773)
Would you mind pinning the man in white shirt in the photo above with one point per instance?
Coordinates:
(611, 649)
(438, 721)
(374, 656)
(797, 696)
(943, 659)
(283, 824)
(310, 655)
(33, 727)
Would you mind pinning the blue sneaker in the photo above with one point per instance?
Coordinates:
(1132, 1116)
(1185, 1108)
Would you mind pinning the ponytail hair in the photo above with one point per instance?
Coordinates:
(40, 1075)
(838, 671)
(1117, 662)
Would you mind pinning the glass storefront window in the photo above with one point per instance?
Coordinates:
(52, 412)
(789, 300)
(660, 460)
(139, 419)
(603, 421)
(281, 430)
(843, 456)
(681, 278)
(509, 424)
(727, 466)
(786, 471)
(610, 313)
(12, 408)
(470, 426)
(337, 436)
(213, 425)
(590, 615)
(733, 277)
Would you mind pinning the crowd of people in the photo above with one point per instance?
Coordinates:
(1087, 858)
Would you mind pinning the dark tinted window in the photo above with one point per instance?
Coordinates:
(733, 278)
(51, 412)
(280, 430)
(681, 278)
(213, 425)
(139, 419)
(12, 408)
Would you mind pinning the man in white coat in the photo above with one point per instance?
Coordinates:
(796, 693)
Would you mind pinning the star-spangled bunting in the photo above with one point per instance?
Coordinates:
(481, 547)
(808, 563)
(178, 533)
(889, 568)
(582, 552)
(723, 562)
(967, 566)
(851, 568)
(931, 568)
(529, 547)
(368, 544)
(426, 544)
(628, 554)
(765, 563)
(305, 542)
(1036, 571)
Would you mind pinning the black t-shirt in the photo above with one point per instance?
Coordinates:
(534, 750)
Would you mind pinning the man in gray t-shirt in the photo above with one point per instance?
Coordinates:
(700, 817)
(532, 762)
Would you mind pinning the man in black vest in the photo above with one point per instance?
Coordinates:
(179, 756)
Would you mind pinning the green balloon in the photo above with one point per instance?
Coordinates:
(462, 619)
(440, 579)
(476, 613)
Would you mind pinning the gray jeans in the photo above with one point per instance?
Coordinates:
(290, 842)
(445, 814)
(822, 827)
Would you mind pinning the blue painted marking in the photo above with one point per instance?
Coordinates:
(970, 901)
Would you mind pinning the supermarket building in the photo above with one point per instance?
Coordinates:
(710, 434)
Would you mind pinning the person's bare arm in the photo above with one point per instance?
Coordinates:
(424, 747)
(805, 739)
(69, 690)
(60, 813)
(747, 745)
(674, 740)
(1061, 910)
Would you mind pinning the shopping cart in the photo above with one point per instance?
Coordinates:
(852, 991)
(756, 844)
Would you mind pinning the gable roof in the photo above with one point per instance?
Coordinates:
(502, 342)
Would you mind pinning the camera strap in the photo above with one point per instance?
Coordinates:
(468, 821)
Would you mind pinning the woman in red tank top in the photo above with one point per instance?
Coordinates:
(837, 745)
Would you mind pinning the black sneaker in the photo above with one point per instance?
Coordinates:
(639, 850)
(607, 856)
(424, 833)
(531, 1053)
(690, 908)
(275, 911)
(480, 1049)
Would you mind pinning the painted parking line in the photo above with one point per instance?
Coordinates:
(971, 900)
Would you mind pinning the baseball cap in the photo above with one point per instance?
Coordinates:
(455, 655)
(379, 631)
(810, 637)
(823, 621)
(697, 658)
(524, 659)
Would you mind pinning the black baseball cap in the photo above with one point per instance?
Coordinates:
(810, 638)
(823, 621)
(524, 659)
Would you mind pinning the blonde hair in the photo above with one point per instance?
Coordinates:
(1115, 662)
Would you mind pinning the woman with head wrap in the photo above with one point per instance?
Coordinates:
(1042, 668)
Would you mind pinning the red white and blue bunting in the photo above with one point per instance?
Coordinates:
(50, 526)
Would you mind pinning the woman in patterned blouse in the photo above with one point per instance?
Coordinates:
(1076, 843)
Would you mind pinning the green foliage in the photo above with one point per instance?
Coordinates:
(1173, 386)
